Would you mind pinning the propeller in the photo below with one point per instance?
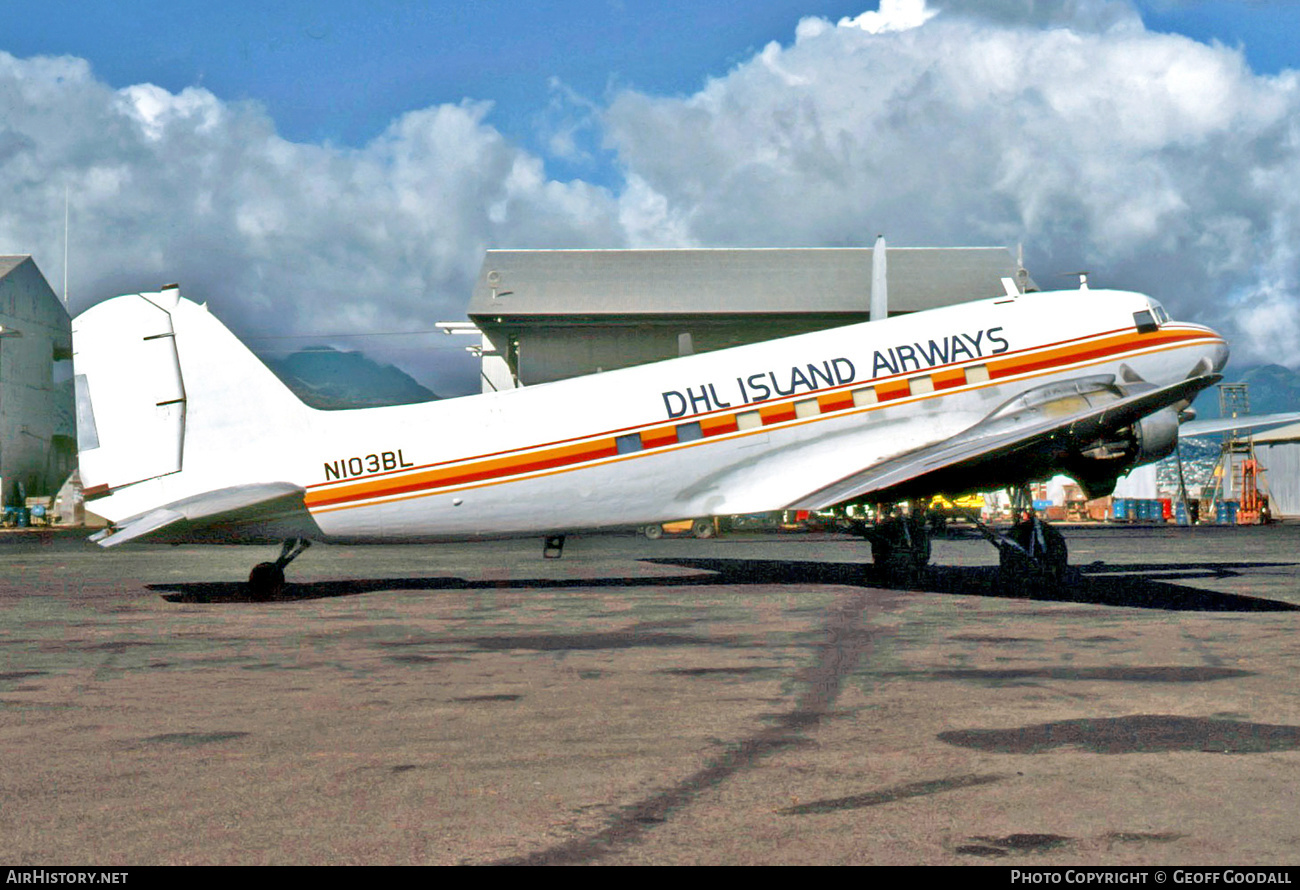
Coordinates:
(1187, 414)
(1202, 368)
(1182, 483)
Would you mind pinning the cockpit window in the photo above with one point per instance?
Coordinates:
(1162, 317)
(1145, 322)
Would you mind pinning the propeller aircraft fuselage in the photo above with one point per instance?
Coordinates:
(186, 436)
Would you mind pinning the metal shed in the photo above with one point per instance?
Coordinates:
(1278, 453)
(38, 446)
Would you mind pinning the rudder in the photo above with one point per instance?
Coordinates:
(157, 378)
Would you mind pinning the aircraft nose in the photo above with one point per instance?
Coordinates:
(1219, 355)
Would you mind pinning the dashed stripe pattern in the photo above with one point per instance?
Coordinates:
(475, 471)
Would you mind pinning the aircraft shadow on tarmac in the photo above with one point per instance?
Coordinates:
(1143, 586)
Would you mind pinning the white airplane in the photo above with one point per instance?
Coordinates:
(186, 436)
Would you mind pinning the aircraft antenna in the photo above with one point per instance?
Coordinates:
(65, 245)
(879, 281)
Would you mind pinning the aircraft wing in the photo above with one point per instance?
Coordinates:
(1228, 424)
(998, 449)
(204, 516)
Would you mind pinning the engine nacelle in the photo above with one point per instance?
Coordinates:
(1099, 465)
(1157, 436)
(1077, 434)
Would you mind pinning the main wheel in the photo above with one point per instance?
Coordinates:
(654, 532)
(1047, 561)
(900, 549)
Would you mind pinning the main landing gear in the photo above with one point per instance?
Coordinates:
(900, 545)
(266, 581)
(1032, 555)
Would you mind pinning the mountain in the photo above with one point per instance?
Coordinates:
(327, 378)
(1272, 389)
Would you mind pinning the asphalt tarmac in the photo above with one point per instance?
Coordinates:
(752, 699)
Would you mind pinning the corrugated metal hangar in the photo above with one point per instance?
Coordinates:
(38, 449)
(1278, 453)
(551, 314)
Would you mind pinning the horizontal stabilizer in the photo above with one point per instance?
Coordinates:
(1228, 424)
(239, 505)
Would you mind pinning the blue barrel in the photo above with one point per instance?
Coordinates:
(1180, 514)
(1122, 508)
(1232, 511)
(23, 516)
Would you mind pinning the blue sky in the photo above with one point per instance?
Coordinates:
(1267, 30)
(342, 71)
(325, 167)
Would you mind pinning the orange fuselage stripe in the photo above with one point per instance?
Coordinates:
(424, 480)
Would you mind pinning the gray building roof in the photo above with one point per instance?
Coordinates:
(1289, 433)
(9, 263)
(728, 281)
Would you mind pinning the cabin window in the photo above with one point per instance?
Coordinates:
(977, 373)
(749, 420)
(866, 396)
(1145, 321)
(689, 432)
(628, 444)
(918, 385)
(807, 408)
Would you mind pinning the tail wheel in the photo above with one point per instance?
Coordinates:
(266, 581)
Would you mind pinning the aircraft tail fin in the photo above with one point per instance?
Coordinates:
(162, 386)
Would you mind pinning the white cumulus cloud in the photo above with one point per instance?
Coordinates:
(1157, 162)
(893, 15)
(280, 237)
